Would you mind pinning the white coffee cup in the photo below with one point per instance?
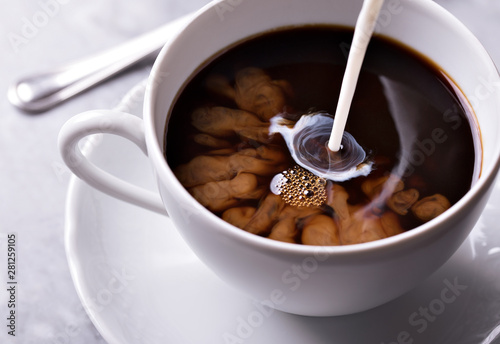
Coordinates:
(307, 280)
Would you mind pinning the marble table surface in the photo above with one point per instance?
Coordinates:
(33, 179)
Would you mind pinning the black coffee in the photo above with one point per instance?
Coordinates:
(412, 121)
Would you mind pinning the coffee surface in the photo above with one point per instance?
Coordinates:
(413, 123)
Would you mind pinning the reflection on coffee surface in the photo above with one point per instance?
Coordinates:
(419, 138)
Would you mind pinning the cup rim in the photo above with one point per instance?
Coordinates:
(399, 241)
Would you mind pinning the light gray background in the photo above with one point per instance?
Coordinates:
(33, 179)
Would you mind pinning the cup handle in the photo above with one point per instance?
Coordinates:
(106, 122)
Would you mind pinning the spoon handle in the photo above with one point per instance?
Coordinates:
(42, 91)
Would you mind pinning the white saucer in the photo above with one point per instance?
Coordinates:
(140, 283)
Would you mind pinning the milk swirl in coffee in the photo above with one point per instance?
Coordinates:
(417, 144)
(307, 141)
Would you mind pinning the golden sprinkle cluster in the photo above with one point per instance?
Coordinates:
(301, 188)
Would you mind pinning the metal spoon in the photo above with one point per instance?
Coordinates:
(40, 92)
